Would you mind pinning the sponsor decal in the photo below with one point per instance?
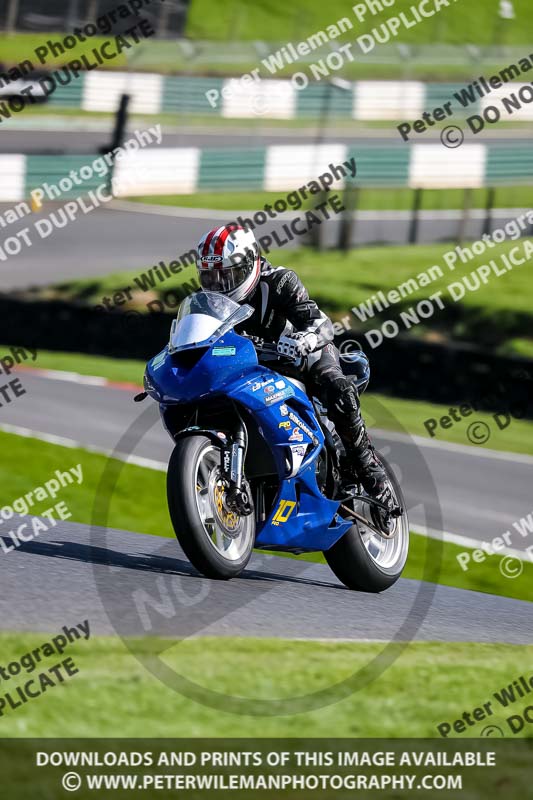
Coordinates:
(158, 360)
(284, 510)
(296, 436)
(212, 259)
(269, 389)
(224, 351)
(282, 395)
(280, 384)
(285, 424)
(297, 421)
(299, 450)
(226, 461)
(260, 384)
(284, 410)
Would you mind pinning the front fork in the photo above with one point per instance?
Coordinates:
(238, 497)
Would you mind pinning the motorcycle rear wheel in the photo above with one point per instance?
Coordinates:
(365, 561)
(217, 541)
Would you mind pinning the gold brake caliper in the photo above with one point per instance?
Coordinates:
(229, 519)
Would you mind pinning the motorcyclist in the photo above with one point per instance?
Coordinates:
(229, 261)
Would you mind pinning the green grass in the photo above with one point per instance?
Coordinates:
(497, 311)
(484, 576)
(17, 47)
(519, 347)
(369, 199)
(115, 369)
(87, 503)
(39, 460)
(274, 20)
(113, 692)
(163, 57)
(400, 414)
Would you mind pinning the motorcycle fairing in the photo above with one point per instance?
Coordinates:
(301, 516)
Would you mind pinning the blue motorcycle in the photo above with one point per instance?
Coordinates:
(256, 462)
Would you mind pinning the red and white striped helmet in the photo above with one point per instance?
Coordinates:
(229, 262)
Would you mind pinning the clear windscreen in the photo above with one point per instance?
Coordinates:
(203, 318)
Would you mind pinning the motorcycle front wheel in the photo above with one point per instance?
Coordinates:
(365, 560)
(217, 541)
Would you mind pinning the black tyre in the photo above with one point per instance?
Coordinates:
(365, 561)
(216, 541)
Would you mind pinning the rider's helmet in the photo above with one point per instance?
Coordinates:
(229, 262)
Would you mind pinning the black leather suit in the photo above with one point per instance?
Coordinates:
(281, 304)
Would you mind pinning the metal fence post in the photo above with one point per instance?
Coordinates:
(121, 121)
(92, 11)
(316, 233)
(413, 226)
(162, 28)
(12, 14)
(487, 225)
(467, 204)
(73, 14)
(348, 219)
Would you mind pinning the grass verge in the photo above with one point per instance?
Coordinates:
(492, 314)
(274, 20)
(369, 199)
(112, 690)
(149, 513)
(114, 369)
(17, 47)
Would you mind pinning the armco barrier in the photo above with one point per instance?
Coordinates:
(281, 168)
(404, 367)
(275, 98)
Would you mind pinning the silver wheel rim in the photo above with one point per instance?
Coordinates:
(228, 533)
(389, 553)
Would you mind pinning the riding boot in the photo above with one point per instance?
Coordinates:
(360, 454)
(345, 413)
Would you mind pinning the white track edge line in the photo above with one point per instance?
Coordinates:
(465, 541)
(469, 450)
(421, 441)
(160, 466)
(62, 441)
